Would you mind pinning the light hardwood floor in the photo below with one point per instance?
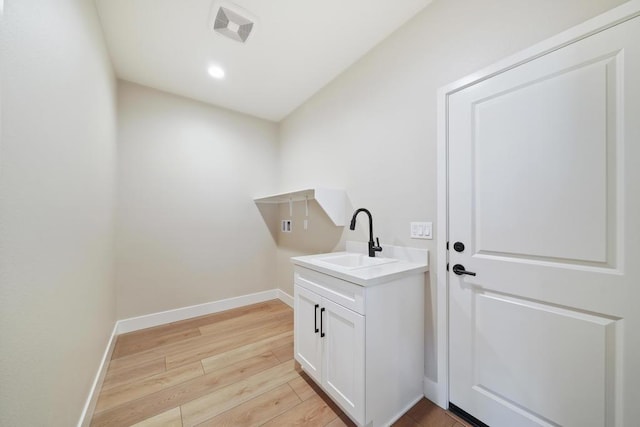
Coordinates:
(233, 368)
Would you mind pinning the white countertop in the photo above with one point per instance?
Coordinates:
(370, 275)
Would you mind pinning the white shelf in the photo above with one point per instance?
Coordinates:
(333, 202)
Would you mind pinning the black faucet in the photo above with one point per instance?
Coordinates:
(373, 247)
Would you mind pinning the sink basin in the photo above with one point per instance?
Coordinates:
(352, 261)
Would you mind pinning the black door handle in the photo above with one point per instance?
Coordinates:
(321, 328)
(315, 319)
(459, 270)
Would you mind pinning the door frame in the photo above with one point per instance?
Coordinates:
(438, 390)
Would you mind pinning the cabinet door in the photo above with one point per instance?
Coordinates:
(308, 346)
(343, 368)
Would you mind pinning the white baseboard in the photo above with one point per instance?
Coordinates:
(90, 404)
(156, 319)
(285, 297)
(435, 393)
(399, 415)
(169, 316)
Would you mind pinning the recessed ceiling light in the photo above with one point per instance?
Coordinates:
(216, 72)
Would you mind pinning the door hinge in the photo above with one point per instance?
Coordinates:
(447, 266)
(447, 245)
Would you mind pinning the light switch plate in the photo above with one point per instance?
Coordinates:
(421, 230)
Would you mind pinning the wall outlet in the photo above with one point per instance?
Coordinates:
(422, 230)
(286, 226)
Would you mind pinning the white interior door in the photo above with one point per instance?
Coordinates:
(544, 193)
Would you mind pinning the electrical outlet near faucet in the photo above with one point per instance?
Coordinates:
(422, 230)
(286, 226)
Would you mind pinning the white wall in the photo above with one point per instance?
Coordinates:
(57, 180)
(372, 130)
(188, 230)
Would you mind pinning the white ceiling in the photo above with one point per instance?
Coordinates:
(296, 48)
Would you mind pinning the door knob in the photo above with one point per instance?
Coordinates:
(459, 270)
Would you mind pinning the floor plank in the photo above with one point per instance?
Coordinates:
(160, 350)
(406, 421)
(250, 350)
(302, 387)
(253, 319)
(219, 345)
(312, 412)
(196, 322)
(284, 352)
(205, 345)
(258, 410)
(427, 414)
(340, 422)
(212, 404)
(129, 374)
(231, 368)
(155, 403)
(126, 347)
(121, 394)
(170, 418)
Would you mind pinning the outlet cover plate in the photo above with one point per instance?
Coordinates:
(286, 226)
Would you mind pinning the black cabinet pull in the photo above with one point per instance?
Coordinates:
(321, 328)
(315, 319)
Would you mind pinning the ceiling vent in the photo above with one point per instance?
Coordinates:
(232, 22)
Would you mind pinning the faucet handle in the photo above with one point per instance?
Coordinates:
(377, 248)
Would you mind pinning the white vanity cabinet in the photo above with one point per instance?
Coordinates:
(362, 344)
(329, 345)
